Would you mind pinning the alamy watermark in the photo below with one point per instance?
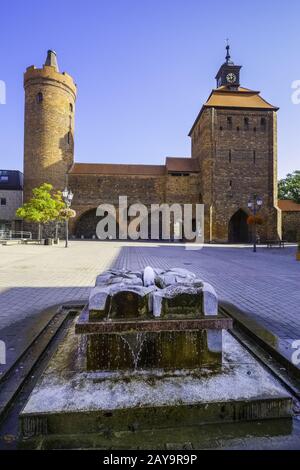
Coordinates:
(157, 222)
(296, 354)
(2, 353)
(2, 92)
(296, 93)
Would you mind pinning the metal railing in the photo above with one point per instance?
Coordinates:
(15, 235)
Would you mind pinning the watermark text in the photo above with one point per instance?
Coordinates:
(2, 92)
(2, 353)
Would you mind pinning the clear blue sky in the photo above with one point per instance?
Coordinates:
(144, 68)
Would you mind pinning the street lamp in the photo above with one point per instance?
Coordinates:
(67, 197)
(254, 204)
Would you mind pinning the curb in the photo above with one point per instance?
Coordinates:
(262, 343)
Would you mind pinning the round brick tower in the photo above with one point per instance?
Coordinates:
(49, 125)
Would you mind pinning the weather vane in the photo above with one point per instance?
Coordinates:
(227, 49)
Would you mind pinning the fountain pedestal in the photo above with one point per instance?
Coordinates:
(168, 320)
(152, 344)
(163, 363)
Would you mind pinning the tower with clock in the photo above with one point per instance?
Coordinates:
(234, 139)
(229, 73)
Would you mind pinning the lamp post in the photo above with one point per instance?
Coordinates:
(67, 197)
(254, 204)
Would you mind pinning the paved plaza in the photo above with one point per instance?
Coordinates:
(266, 285)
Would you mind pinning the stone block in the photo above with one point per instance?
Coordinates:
(209, 300)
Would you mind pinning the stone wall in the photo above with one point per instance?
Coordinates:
(291, 226)
(49, 127)
(202, 141)
(92, 190)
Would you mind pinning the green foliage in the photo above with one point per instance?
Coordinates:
(43, 207)
(289, 187)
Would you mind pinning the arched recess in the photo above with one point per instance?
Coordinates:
(87, 224)
(238, 229)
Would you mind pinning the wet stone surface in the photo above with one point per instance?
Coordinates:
(152, 292)
(70, 400)
(151, 319)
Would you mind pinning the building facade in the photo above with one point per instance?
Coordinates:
(11, 198)
(290, 220)
(233, 157)
(49, 125)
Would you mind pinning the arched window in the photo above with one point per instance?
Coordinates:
(229, 122)
(229, 156)
(71, 107)
(246, 124)
(39, 97)
(69, 138)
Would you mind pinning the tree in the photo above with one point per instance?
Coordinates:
(60, 205)
(43, 207)
(289, 187)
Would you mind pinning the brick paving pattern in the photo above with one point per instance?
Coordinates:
(265, 284)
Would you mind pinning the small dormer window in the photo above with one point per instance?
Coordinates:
(39, 97)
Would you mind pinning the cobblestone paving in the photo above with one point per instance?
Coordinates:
(266, 284)
(35, 277)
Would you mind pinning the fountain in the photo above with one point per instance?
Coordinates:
(152, 320)
(150, 351)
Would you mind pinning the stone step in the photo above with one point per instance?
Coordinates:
(15, 376)
(275, 348)
(139, 419)
(212, 436)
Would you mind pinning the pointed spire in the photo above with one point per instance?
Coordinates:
(228, 57)
(52, 60)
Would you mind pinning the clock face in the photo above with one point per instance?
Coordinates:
(231, 78)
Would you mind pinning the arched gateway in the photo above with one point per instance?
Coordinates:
(238, 229)
(87, 224)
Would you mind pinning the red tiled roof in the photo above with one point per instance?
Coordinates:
(185, 164)
(116, 169)
(240, 98)
(287, 205)
(224, 97)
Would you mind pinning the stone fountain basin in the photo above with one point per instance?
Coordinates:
(68, 399)
(86, 326)
(166, 343)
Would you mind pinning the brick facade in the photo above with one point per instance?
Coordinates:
(233, 156)
(290, 220)
(49, 127)
(236, 163)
